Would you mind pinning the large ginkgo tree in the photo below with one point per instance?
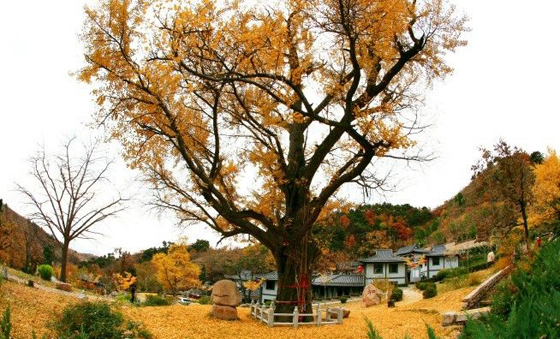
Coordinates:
(249, 116)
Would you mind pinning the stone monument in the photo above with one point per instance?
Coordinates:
(225, 299)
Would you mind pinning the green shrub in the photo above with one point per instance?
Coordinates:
(6, 324)
(343, 299)
(46, 272)
(421, 285)
(451, 273)
(155, 300)
(34, 336)
(430, 291)
(525, 306)
(95, 321)
(123, 297)
(397, 294)
(205, 300)
(372, 331)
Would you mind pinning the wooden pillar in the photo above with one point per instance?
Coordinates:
(296, 317)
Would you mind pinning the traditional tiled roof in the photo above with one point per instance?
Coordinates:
(384, 255)
(410, 249)
(269, 276)
(347, 265)
(437, 251)
(339, 280)
(244, 275)
(454, 248)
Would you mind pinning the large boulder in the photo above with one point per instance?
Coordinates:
(372, 296)
(225, 293)
(224, 312)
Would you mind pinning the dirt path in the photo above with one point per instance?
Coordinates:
(410, 295)
(74, 294)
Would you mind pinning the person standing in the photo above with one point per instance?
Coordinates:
(132, 293)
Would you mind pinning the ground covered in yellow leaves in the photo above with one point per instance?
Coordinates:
(33, 309)
(194, 321)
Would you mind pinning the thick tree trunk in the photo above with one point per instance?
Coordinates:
(64, 260)
(295, 267)
(525, 223)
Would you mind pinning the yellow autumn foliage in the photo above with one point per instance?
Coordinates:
(546, 189)
(123, 282)
(253, 285)
(203, 93)
(175, 271)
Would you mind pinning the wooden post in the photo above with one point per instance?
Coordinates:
(340, 315)
(296, 317)
(319, 315)
(257, 309)
(270, 317)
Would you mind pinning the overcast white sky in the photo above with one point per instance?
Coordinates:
(505, 85)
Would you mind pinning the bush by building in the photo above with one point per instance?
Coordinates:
(46, 272)
(430, 291)
(397, 294)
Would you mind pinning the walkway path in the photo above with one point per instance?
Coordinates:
(410, 295)
(75, 294)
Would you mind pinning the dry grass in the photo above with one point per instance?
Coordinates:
(471, 280)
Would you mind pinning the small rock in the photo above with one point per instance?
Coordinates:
(64, 287)
(448, 319)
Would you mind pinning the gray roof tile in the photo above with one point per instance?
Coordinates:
(383, 255)
(340, 280)
(410, 249)
(269, 276)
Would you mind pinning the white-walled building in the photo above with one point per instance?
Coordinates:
(438, 259)
(269, 288)
(385, 265)
(416, 256)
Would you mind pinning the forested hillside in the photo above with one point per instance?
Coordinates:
(24, 245)
(512, 195)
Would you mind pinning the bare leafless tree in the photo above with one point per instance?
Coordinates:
(66, 200)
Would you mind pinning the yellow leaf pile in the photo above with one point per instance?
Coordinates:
(32, 309)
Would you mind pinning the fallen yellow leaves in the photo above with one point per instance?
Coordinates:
(194, 321)
(32, 309)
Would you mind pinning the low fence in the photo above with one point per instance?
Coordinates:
(268, 315)
(482, 290)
